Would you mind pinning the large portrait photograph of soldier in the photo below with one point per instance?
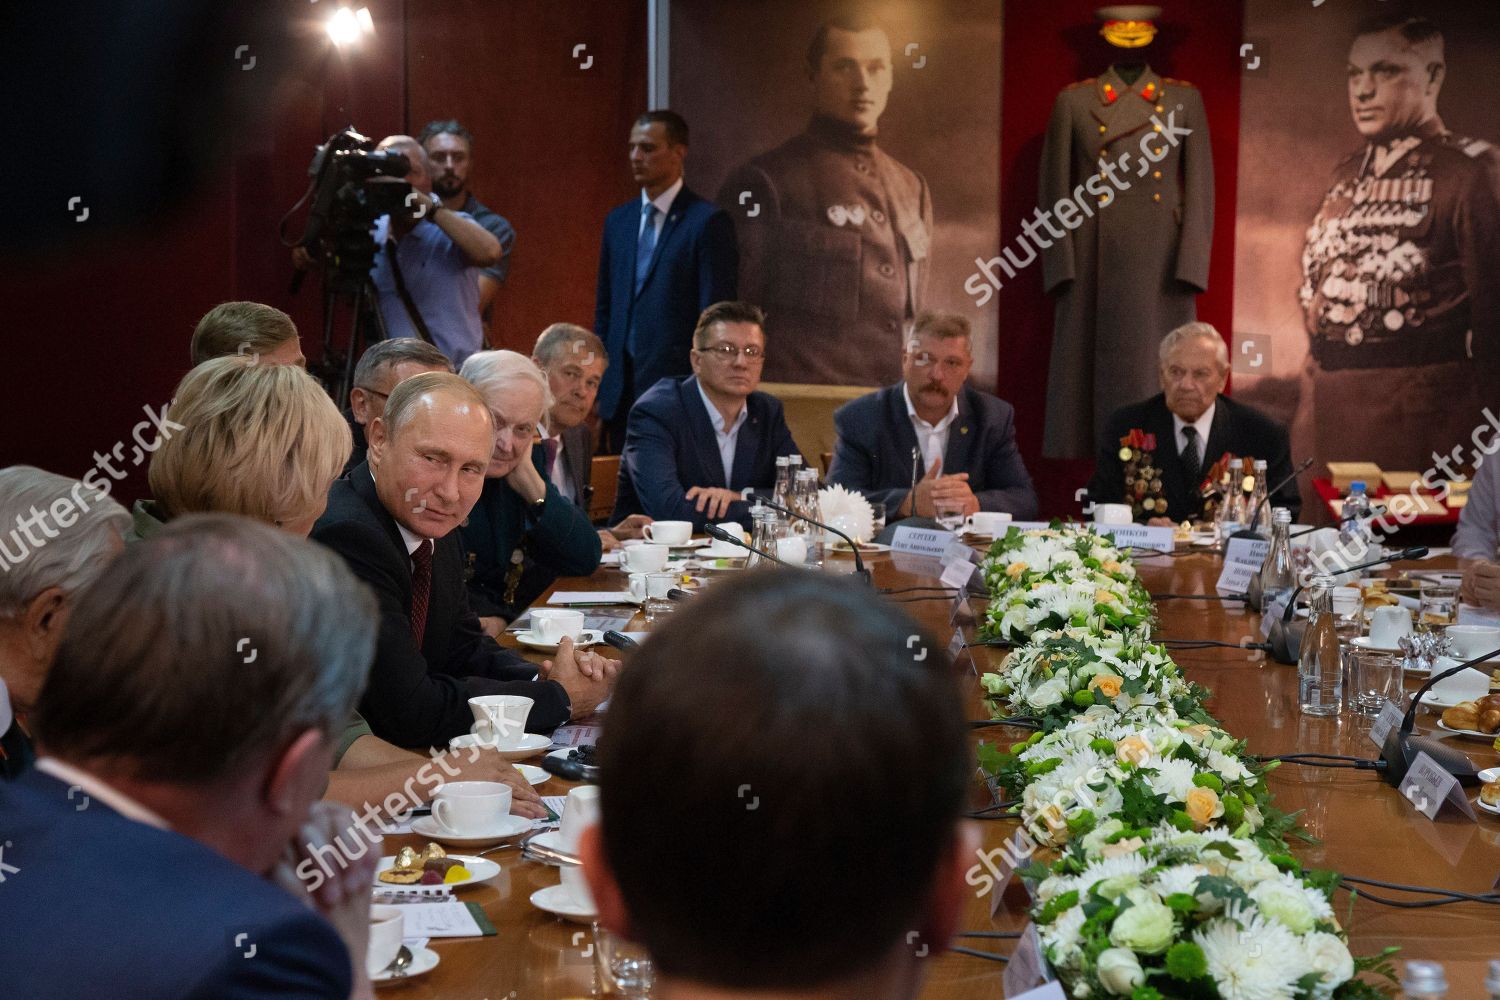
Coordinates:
(856, 148)
(1367, 285)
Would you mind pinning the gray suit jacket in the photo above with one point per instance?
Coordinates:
(578, 458)
(876, 438)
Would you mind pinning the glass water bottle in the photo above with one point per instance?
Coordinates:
(1277, 578)
(1320, 666)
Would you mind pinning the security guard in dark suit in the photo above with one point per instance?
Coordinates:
(1400, 293)
(835, 234)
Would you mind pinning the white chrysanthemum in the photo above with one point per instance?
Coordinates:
(1252, 959)
(847, 511)
(1227, 767)
(1131, 865)
(1062, 937)
(1172, 778)
(1179, 879)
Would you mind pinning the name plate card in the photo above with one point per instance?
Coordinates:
(958, 573)
(575, 736)
(1142, 536)
(1242, 560)
(931, 542)
(1428, 788)
(1027, 974)
(1389, 718)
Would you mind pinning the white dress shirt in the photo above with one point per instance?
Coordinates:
(663, 203)
(727, 436)
(931, 438)
(1202, 425)
(558, 472)
(96, 789)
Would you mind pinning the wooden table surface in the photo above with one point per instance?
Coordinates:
(1365, 827)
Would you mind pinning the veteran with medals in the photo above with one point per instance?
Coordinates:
(1400, 292)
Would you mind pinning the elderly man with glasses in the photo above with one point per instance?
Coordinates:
(694, 444)
(931, 438)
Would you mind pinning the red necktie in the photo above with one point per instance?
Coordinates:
(421, 588)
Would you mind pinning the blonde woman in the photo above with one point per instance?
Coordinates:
(266, 442)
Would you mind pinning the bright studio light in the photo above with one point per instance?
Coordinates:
(345, 26)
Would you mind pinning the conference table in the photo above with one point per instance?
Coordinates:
(1363, 827)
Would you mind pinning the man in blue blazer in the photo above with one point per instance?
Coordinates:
(692, 444)
(185, 730)
(931, 437)
(665, 257)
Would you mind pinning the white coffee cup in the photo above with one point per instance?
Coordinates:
(577, 887)
(653, 585)
(1387, 624)
(647, 558)
(792, 549)
(1112, 513)
(1469, 641)
(668, 532)
(1347, 601)
(500, 719)
(986, 522)
(556, 624)
(580, 811)
(471, 807)
(387, 927)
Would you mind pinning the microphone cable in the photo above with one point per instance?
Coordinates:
(1333, 760)
(1446, 897)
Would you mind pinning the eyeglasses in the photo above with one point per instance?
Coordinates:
(923, 359)
(728, 352)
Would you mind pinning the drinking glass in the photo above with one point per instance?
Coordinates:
(949, 513)
(1377, 677)
(624, 966)
(1439, 606)
(657, 605)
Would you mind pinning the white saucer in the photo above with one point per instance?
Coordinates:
(1470, 685)
(555, 900)
(588, 637)
(426, 826)
(1480, 803)
(1490, 774)
(533, 774)
(533, 744)
(480, 870)
(423, 961)
(874, 548)
(551, 840)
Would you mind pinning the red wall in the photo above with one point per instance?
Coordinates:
(1049, 44)
(98, 328)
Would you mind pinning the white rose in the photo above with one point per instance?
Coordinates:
(1047, 694)
(1330, 958)
(1284, 904)
(1119, 972)
(1147, 927)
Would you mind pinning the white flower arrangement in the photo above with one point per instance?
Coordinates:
(1054, 577)
(1204, 914)
(1064, 671)
(848, 511)
(1105, 772)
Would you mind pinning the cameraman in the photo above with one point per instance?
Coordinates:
(433, 253)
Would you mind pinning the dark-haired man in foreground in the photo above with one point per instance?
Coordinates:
(805, 852)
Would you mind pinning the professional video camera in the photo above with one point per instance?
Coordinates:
(353, 185)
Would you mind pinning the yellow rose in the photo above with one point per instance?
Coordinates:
(1134, 749)
(1127, 846)
(1106, 684)
(1015, 569)
(1199, 730)
(1110, 566)
(1202, 806)
(1102, 596)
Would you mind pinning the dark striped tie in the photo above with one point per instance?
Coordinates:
(421, 588)
(1192, 464)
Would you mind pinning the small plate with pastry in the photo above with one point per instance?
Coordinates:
(431, 865)
(1479, 718)
(1489, 792)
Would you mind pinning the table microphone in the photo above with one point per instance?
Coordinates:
(1401, 747)
(1250, 532)
(714, 531)
(678, 594)
(1285, 636)
(859, 564)
(571, 770)
(620, 641)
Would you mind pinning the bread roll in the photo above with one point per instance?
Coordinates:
(1489, 721)
(1464, 715)
(1489, 793)
(1489, 701)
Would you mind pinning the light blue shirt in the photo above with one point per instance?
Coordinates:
(442, 283)
(1478, 535)
(726, 437)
